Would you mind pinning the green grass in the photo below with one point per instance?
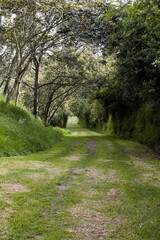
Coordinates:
(21, 133)
(114, 192)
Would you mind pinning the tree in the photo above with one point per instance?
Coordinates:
(135, 41)
(62, 75)
(33, 27)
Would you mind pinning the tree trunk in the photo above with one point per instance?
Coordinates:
(6, 87)
(18, 92)
(48, 106)
(53, 112)
(9, 74)
(10, 94)
(20, 73)
(36, 84)
(68, 93)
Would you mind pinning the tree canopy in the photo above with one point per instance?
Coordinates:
(51, 49)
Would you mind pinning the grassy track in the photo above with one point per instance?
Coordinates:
(87, 187)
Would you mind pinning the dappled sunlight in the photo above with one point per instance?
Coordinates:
(76, 130)
(72, 122)
(82, 132)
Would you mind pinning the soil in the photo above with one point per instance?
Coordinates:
(9, 187)
(91, 146)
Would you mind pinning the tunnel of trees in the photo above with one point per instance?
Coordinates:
(95, 59)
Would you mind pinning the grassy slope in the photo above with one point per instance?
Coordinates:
(113, 194)
(20, 133)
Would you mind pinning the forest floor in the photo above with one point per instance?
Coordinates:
(89, 186)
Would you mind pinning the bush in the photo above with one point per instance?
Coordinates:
(142, 125)
(60, 120)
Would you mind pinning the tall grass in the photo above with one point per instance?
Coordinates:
(21, 133)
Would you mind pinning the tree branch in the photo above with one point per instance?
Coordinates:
(60, 84)
(28, 85)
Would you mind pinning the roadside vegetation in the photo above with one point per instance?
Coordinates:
(21, 133)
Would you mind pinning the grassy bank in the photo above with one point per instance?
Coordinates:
(21, 133)
(142, 125)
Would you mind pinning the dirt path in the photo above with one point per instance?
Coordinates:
(87, 187)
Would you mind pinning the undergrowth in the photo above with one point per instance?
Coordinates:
(142, 125)
(21, 133)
